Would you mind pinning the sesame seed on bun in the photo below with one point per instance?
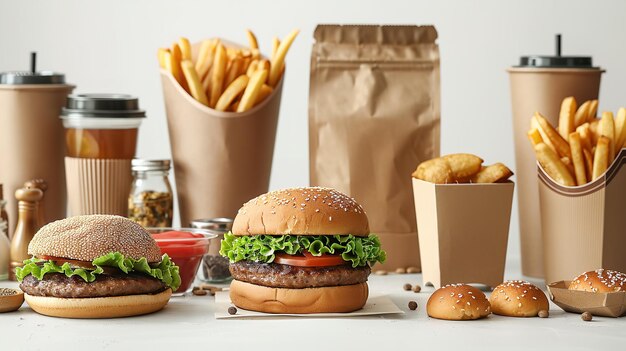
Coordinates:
(518, 298)
(458, 302)
(302, 211)
(85, 238)
(600, 280)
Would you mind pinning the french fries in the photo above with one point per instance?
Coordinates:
(587, 151)
(223, 77)
(620, 129)
(577, 158)
(601, 157)
(278, 59)
(461, 168)
(252, 91)
(554, 167)
(560, 145)
(566, 117)
(195, 86)
(232, 92)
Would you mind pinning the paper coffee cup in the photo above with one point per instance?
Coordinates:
(221, 159)
(31, 138)
(98, 186)
(539, 84)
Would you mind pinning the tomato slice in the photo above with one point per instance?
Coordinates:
(75, 263)
(306, 259)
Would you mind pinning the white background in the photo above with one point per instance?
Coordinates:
(110, 46)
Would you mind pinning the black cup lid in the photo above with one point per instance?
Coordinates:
(32, 76)
(557, 61)
(102, 105)
(27, 77)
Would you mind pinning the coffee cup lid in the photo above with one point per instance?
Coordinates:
(102, 105)
(557, 61)
(32, 76)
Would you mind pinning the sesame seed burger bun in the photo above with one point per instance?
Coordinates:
(457, 302)
(302, 211)
(334, 299)
(600, 280)
(517, 298)
(85, 238)
(99, 307)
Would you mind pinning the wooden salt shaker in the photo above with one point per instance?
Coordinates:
(26, 226)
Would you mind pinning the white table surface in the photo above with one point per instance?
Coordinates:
(188, 323)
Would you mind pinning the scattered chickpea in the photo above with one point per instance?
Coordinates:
(586, 316)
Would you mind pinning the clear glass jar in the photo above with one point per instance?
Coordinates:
(151, 202)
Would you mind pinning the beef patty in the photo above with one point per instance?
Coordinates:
(59, 285)
(284, 276)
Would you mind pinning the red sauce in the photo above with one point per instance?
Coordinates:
(186, 254)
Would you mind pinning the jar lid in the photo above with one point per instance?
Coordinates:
(32, 76)
(557, 61)
(220, 224)
(140, 165)
(102, 105)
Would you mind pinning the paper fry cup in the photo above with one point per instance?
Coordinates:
(463, 231)
(98, 186)
(221, 159)
(583, 227)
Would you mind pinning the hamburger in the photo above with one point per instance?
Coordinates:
(96, 266)
(305, 250)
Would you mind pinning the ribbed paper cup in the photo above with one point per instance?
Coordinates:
(221, 159)
(98, 186)
(583, 226)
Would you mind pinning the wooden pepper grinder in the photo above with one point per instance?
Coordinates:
(43, 186)
(26, 226)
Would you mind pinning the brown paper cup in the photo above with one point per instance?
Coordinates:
(584, 226)
(32, 144)
(221, 159)
(98, 186)
(542, 90)
(463, 231)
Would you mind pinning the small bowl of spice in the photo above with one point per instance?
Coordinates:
(186, 247)
(10, 299)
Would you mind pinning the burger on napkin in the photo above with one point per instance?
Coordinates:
(96, 266)
(304, 250)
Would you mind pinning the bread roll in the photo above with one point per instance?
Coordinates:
(518, 298)
(600, 280)
(457, 302)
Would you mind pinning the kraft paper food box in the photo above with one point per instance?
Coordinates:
(584, 227)
(463, 231)
(611, 304)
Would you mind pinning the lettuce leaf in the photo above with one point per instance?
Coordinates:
(262, 248)
(166, 271)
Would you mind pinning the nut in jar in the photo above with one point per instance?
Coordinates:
(151, 202)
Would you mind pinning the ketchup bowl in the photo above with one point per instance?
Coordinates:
(186, 247)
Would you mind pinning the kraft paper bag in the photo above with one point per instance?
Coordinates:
(374, 113)
(98, 186)
(543, 90)
(221, 159)
(32, 144)
(463, 231)
(611, 304)
(583, 227)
